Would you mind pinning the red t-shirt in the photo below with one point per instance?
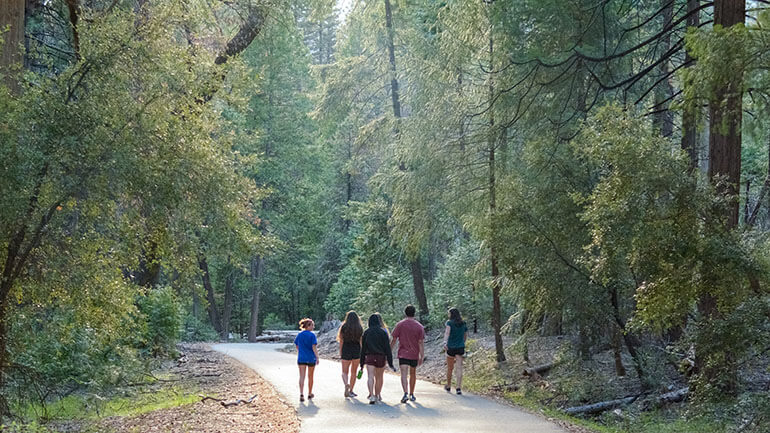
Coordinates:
(409, 333)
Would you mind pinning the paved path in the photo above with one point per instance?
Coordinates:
(435, 410)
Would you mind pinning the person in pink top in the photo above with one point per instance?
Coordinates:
(410, 335)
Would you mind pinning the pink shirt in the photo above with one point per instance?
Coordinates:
(409, 333)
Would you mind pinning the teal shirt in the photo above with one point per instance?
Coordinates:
(456, 334)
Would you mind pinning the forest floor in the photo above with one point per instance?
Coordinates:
(574, 382)
(479, 347)
(199, 372)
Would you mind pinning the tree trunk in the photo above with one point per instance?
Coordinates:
(496, 286)
(392, 59)
(419, 289)
(584, 344)
(257, 265)
(5, 410)
(418, 281)
(195, 303)
(12, 15)
(227, 308)
(751, 220)
(664, 118)
(617, 350)
(725, 111)
(632, 342)
(689, 123)
(725, 167)
(212, 307)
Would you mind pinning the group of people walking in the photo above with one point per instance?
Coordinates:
(373, 348)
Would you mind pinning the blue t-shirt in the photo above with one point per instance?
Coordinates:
(305, 341)
(456, 334)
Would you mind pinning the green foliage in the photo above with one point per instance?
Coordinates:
(272, 321)
(162, 313)
(461, 283)
(91, 407)
(198, 330)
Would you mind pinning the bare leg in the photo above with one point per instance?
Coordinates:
(353, 371)
(412, 379)
(404, 372)
(378, 383)
(459, 370)
(302, 369)
(450, 364)
(310, 370)
(370, 379)
(345, 370)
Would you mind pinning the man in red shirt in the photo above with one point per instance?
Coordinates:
(410, 335)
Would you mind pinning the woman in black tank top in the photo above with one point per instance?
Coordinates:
(349, 337)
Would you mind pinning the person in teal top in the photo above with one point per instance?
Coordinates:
(454, 344)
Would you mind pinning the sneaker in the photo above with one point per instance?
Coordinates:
(459, 391)
(301, 397)
(352, 394)
(447, 389)
(347, 391)
(372, 399)
(412, 397)
(405, 398)
(311, 395)
(379, 397)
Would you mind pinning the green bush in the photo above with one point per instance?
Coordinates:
(198, 330)
(272, 321)
(162, 314)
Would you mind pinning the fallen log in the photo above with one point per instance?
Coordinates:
(601, 406)
(673, 396)
(274, 338)
(539, 369)
(669, 397)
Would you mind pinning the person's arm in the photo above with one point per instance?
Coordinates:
(422, 352)
(363, 350)
(465, 337)
(393, 338)
(446, 336)
(389, 353)
(315, 350)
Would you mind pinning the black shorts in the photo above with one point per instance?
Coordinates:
(409, 362)
(351, 351)
(309, 364)
(452, 351)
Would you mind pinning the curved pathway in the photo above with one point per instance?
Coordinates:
(434, 411)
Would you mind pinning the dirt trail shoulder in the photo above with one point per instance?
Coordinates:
(202, 372)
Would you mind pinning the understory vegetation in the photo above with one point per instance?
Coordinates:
(587, 181)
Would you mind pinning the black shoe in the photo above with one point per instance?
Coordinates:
(459, 391)
(405, 398)
(447, 389)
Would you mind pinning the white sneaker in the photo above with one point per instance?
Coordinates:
(372, 399)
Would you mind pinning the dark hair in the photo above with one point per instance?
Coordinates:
(305, 323)
(375, 321)
(454, 316)
(351, 328)
(409, 310)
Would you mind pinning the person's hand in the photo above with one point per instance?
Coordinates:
(393, 368)
(445, 347)
(317, 361)
(420, 361)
